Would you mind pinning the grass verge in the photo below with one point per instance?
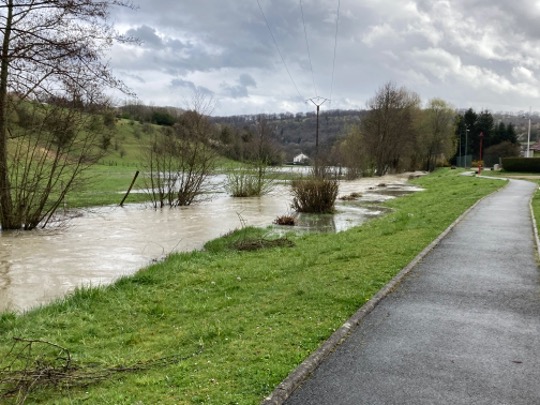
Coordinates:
(222, 326)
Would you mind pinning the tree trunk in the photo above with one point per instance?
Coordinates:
(7, 220)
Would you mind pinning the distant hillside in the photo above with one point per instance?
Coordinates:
(296, 133)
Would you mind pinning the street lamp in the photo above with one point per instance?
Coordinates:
(460, 164)
(466, 145)
(480, 164)
(529, 136)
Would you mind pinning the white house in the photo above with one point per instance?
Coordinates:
(300, 159)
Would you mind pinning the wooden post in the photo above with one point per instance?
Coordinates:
(130, 187)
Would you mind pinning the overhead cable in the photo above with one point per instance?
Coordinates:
(335, 49)
(279, 51)
(308, 51)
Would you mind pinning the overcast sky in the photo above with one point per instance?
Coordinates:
(483, 54)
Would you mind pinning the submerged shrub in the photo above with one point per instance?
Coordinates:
(314, 195)
(248, 183)
(287, 220)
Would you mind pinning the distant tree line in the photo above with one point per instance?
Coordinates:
(397, 134)
(254, 142)
(293, 133)
(165, 116)
(498, 140)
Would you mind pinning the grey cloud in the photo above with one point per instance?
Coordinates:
(460, 49)
(176, 84)
(241, 89)
(146, 35)
(236, 91)
(247, 80)
(183, 84)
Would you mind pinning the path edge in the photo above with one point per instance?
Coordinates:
(284, 390)
(535, 228)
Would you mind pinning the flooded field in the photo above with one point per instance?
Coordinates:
(97, 246)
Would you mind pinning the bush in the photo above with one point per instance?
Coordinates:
(285, 220)
(248, 183)
(315, 195)
(529, 165)
(501, 150)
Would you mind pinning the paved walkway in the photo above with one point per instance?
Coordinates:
(462, 328)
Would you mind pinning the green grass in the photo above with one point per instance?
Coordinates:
(504, 173)
(237, 323)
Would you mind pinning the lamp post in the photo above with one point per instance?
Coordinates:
(529, 136)
(460, 146)
(466, 145)
(480, 164)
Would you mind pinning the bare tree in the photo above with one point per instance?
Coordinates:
(389, 127)
(181, 158)
(52, 50)
(49, 150)
(256, 179)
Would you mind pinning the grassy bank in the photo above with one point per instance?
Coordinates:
(223, 326)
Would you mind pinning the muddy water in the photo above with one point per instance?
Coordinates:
(99, 245)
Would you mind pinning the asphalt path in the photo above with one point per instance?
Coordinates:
(463, 327)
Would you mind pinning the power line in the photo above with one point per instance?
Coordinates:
(308, 51)
(279, 51)
(335, 49)
(317, 97)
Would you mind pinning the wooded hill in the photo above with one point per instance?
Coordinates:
(296, 133)
(291, 134)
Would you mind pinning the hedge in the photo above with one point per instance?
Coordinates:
(520, 164)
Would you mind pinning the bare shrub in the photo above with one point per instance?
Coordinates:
(249, 182)
(181, 158)
(178, 167)
(314, 195)
(47, 157)
(286, 220)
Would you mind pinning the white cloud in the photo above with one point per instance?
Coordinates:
(379, 34)
(438, 62)
(523, 74)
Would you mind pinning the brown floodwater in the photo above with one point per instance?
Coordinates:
(97, 246)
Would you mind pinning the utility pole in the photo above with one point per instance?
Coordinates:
(317, 102)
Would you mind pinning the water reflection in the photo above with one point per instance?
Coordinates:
(99, 245)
